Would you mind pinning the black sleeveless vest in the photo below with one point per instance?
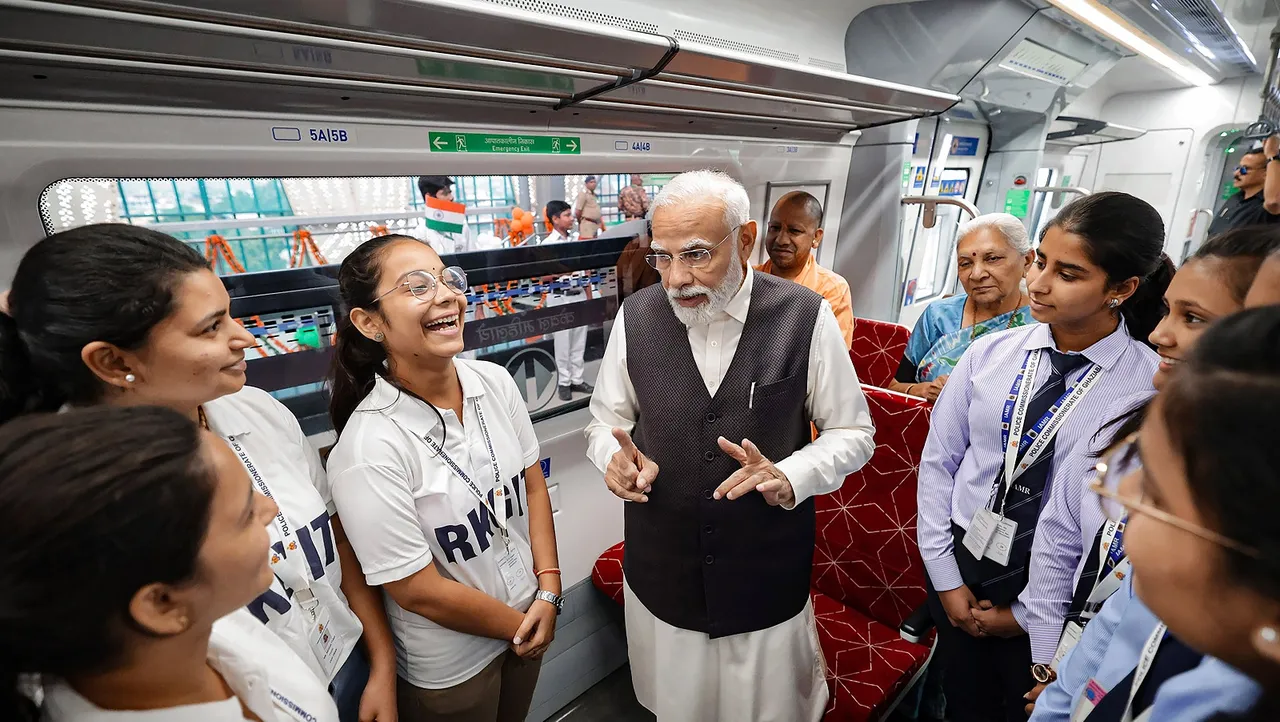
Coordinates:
(720, 567)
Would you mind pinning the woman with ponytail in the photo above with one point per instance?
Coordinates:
(130, 543)
(1110, 624)
(120, 315)
(1019, 406)
(436, 473)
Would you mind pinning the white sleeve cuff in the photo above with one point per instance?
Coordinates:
(396, 573)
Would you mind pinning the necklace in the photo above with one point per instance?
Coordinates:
(204, 420)
(973, 332)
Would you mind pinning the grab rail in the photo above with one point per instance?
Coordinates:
(931, 204)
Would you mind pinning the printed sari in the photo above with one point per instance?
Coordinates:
(938, 340)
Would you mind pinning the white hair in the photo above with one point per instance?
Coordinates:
(701, 185)
(1008, 226)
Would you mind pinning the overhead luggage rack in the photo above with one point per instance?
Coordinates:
(427, 59)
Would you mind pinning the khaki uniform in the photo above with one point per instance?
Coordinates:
(587, 210)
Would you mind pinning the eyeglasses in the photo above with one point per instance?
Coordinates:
(1114, 470)
(696, 258)
(1244, 169)
(423, 284)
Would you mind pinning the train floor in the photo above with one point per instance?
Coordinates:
(614, 700)
(610, 699)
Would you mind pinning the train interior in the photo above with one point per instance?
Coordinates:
(276, 136)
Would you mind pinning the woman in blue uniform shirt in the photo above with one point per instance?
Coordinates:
(1212, 284)
(1095, 288)
(1202, 534)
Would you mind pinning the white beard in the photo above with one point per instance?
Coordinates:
(717, 298)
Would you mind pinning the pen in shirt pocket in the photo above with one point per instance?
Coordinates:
(751, 399)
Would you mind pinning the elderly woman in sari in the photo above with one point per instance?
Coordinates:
(993, 253)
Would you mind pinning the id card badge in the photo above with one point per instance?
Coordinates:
(1070, 638)
(324, 642)
(1001, 545)
(981, 529)
(512, 569)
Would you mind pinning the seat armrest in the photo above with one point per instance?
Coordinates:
(917, 625)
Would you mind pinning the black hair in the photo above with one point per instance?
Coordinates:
(358, 360)
(430, 185)
(105, 282)
(1219, 409)
(1124, 236)
(811, 206)
(95, 504)
(1246, 249)
(555, 208)
(1252, 151)
(1243, 250)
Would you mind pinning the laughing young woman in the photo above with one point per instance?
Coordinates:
(437, 474)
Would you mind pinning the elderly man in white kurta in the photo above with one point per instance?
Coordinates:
(701, 423)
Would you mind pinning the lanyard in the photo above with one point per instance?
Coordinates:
(499, 519)
(1113, 567)
(1014, 416)
(1140, 673)
(289, 567)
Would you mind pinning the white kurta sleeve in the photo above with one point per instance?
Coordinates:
(836, 405)
(613, 405)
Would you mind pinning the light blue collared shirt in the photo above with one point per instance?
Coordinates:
(1109, 650)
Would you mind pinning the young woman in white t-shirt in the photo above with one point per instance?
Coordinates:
(436, 472)
(123, 315)
(130, 541)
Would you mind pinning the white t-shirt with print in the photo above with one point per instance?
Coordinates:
(271, 438)
(263, 672)
(404, 508)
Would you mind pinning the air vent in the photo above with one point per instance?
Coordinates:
(564, 11)
(826, 65)
(733, 45)
(1204, 20)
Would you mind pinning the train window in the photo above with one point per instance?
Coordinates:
(542, 310)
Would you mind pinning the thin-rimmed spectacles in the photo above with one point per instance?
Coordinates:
(1117, 502)
(423, 284)
(693, 258)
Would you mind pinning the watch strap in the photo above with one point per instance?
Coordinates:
(551, 597)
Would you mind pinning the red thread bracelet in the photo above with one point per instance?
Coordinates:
(547, 571)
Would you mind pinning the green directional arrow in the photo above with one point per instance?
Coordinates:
(501, 143)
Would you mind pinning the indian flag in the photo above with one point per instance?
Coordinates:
(444, 216)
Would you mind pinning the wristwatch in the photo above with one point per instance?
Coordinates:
(556, 600)
(1043, 673)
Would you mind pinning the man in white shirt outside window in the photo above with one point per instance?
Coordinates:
(711, 448)
(570, 345)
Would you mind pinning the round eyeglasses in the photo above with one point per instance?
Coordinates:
(693, 258)
(423, 284)
(1117, 472)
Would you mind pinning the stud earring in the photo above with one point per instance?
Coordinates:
(130, 378)
(378, 337)
(1113, 303)
(1269, 635)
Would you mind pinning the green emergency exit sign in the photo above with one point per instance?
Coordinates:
(500, 143)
